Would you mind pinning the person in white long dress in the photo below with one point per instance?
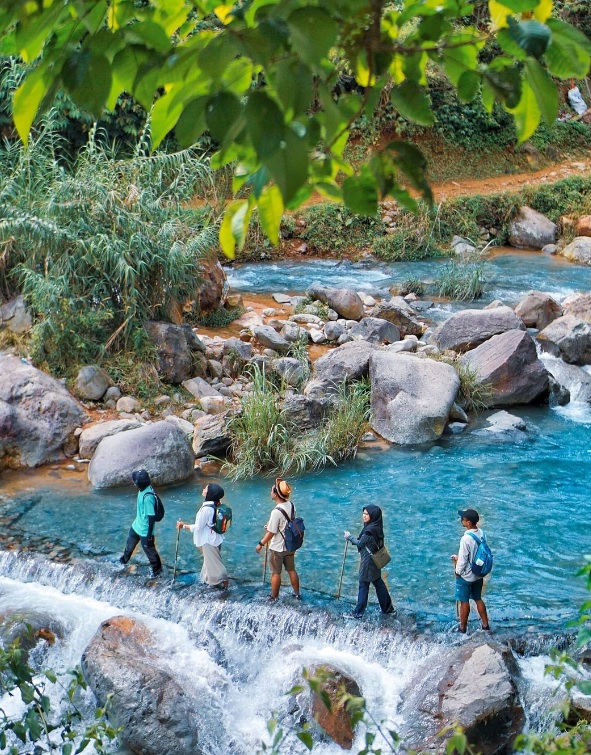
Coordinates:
(207, 539)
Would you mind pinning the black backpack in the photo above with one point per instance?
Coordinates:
(158, 507)
(293, 534)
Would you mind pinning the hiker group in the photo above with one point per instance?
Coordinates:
(284, 535)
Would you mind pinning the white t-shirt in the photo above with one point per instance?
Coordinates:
(466, 553)
(203, 534)
(277, 524)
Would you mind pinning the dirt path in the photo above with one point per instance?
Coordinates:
(511, 183)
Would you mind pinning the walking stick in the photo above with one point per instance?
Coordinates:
(342, 570)
(176, 552)
(265, 564)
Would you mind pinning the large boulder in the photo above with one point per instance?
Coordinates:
(37, 416)
(180, 353)
(161, 448)
(578, 305)
(336, 720)
(92, 382)
(469, 328)
(213, 286)
(375, 330)
(509, 364)
(568, 337)
(15, 316)
(211, 436)
(531, 230)
(397, 311)
(155, 710)
(538, 309)
(579, 250)
(305, 412)
(473, 686)
(411, 397)
(344, 364)
(346, 302)
(290, 370)
(91, 436)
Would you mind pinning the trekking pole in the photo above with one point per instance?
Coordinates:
(342, 570)
(176, 552)
(265, 564)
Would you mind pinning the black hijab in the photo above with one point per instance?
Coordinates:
(214, 492)
(375, 527)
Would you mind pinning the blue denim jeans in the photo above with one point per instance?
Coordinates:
(384, 598)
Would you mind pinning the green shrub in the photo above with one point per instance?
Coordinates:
(331, 229)
(221, 317)
(461, 281)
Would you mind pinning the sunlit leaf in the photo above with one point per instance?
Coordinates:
(270, 206)
(413, 102)
(527, 113)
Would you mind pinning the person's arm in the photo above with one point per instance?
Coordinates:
(272, 528)
(361, 542)
(149, 502)
(462, 562)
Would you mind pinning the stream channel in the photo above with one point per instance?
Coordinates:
(60, 539)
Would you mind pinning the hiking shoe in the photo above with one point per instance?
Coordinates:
(390, 611)
(156, 573)
(485, 629)
(223, 585)
(296, 595)
(122, 561)
(353, 615)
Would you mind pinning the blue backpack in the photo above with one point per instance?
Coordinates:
(293, 534)
(483, 558)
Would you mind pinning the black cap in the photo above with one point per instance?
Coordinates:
(141, 478)
(470, 514)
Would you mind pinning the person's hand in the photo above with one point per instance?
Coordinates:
(180, 524)
(454, 558)
(347, 534)
(258, 548)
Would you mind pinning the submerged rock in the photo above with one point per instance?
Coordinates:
(156, 712)
(504, 426)
(575, 380)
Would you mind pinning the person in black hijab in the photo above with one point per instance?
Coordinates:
(371, 539)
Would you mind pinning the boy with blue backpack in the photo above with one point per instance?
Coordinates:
(472, 564)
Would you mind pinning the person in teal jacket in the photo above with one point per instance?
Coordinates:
(142, 528)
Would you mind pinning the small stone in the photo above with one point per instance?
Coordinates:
(128, 404)
(162, 400)
(282, 298)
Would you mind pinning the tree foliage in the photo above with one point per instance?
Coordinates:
(259, 76)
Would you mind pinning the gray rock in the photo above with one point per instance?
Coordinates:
(457, 414)
(161, 448)
(345, 338)
(176, 347)
(112, 393)
(578, 250)
(15, 316)
(249, 320)
(92, 383)
(213, 404)
(505, 427)
(210, 436)
(128, 404)
(215, 368)
(345, 301)
(183, 424)
(375, 330)
(538, 309)
(282, 298)
(400, 346)
(455, 428)
(291, 370)
(156, 711)
(292, 332)
(343, 364)
(307, 319)
(579, 306)
(306, 413)
(568, 337)
(38, 417)
(91, 436)
(199, 387)
(531, 230)
(576, 381)
(317, 336)
(469, 328)
(333, 330)
(397, 311)
(270, 338)
(550, 249)
(411, 397)
(509, 364)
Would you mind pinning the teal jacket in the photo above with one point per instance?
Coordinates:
(145, 509)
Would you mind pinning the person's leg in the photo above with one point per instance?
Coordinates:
(362, 598)
(289, 563)
(481, 608)
(464, 612)
(153, 557)
(275, 585)
(276, 563)
(132, 540)
(384, 598)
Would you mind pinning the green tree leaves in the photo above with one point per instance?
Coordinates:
(260, 78)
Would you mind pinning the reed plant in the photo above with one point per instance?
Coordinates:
(99, 245)
(462, 281)
(474, 395)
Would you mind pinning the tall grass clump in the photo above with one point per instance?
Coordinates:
(414, 237)
(461, 281)
(98, 245)
(259, 433)
(474, 394)
(265, 440)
